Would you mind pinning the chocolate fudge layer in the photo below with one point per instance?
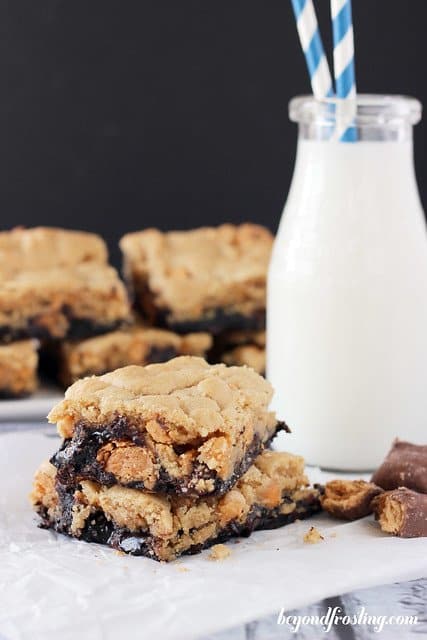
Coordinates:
(207, 279)
(273, 492)
(135, 345)
(402, 512)
(18, 368)
(404, 466)
(55, 284)
(183, 426)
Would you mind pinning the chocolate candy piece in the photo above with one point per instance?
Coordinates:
(404, 466)
(349, 499)
(402, 512)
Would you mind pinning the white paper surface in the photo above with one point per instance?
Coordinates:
(54, 587)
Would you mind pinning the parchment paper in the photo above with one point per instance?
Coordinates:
(53, 587)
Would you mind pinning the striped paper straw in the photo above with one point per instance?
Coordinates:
(345, 79)
(311, 43)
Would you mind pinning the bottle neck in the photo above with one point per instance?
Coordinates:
(400, 131)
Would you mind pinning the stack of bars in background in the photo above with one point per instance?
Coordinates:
(169, 459)
(54, 285)
(200, 292)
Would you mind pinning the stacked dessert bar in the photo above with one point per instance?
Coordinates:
(54, 284)
(169, 459)
(207, 279)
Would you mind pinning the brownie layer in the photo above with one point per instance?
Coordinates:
(139, 465)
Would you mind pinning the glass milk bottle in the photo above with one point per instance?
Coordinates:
(347, 288)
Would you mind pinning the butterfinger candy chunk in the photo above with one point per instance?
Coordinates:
(402, 512)
(349, 499)
(404, 466)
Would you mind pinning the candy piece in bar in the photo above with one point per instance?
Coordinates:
(18, 368)
(183, 426)
(349, 499)
(273, 492)
(207, 279)
(404, 466)
(71, 360)
(402, 512)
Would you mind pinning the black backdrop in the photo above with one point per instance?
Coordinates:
(117, 115)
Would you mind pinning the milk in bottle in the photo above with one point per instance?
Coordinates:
(347, 288)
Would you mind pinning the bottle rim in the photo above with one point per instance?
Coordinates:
(371, 110)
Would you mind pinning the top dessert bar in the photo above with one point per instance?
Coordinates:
(206, 279)
(56, 283)
(183, 426)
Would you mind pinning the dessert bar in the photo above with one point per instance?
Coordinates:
(207, 279)
(72, 360)
(60, 302)
(273, 492)
(55, 284)
(183, 426)
(18, 368)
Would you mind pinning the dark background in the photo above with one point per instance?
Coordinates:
(117, 115)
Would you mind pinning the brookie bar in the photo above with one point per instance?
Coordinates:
(272, 493)
(207, 279)
(182, 427)
(56, 283)
(73, 360)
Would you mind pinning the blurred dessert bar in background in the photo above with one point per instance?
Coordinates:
(18, 368)
(71, 360)
(207, 279)
(55, 284)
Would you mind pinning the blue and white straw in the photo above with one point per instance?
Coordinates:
(311, 43)
(345, 78)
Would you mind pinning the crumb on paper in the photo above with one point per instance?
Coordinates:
(333, 534)
(182, 569)
(219, 552)
(119, 553)
(313, 536)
